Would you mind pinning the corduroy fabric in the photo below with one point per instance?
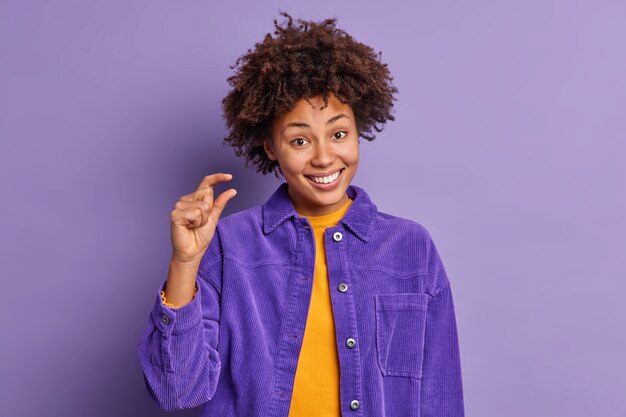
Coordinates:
(235, 346)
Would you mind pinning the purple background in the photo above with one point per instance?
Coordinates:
(508, 146)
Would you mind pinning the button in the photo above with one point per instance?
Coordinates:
(343, 287)
(355, 404)
(350, 343)
(337, 236)
(165, 319)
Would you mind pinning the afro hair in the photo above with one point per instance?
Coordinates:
(303, 61)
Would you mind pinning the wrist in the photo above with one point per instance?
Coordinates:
(181, 264)
(181, 282)
(165, 302)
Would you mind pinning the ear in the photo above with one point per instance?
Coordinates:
(267, 146)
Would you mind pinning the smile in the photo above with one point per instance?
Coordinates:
(326, 180)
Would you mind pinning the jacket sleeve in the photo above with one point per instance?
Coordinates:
(178, 349)
(442, 387)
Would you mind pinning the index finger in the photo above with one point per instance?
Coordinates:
(205, 187)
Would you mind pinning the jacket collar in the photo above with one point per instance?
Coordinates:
(358, 218)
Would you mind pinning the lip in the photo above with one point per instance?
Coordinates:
(331, 185)
(324, 174)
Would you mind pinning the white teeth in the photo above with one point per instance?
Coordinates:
(326, 180)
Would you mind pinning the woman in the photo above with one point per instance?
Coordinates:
(313, 303)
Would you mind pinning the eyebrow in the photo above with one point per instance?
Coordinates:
(301, 124)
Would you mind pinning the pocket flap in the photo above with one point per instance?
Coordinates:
(409, 301)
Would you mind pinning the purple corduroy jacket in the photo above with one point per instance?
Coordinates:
(235, 346)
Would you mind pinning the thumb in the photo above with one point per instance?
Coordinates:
(220, 203)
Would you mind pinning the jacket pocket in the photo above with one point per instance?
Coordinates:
(400, 327)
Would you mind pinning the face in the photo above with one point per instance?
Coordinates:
(317, 152)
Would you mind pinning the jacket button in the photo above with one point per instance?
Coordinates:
(350, 343)
(337, 236)
(355, 404)
(165, 319)
(343, 287)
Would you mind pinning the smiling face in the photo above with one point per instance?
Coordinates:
(317, 152)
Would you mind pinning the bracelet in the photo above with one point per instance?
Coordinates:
(195, 290)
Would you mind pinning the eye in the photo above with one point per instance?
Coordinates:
(340, 132)
(299, 141)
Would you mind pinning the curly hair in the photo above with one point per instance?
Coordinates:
(303, 61)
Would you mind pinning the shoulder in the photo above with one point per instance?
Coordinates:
(415, 244)
(407, 228)
(240, 221)
(246, 224)
(242, 240)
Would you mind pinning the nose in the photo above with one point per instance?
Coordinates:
(324, 154)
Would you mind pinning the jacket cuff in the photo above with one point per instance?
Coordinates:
(176, 320)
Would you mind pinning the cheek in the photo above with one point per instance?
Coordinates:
(293, 165)
(351, 155)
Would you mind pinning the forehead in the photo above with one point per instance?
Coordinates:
(312, 110)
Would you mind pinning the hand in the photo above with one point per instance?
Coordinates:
(195, 217)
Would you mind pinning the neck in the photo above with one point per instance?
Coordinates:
(320, 210)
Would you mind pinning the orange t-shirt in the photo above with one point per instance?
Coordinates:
(316, 385)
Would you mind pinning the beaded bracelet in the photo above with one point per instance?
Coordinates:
(195, 290)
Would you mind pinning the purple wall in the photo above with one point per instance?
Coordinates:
(508, 146)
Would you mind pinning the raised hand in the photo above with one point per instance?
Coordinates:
(195, 217)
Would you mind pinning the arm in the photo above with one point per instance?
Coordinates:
(442, 387)
(178, 350)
